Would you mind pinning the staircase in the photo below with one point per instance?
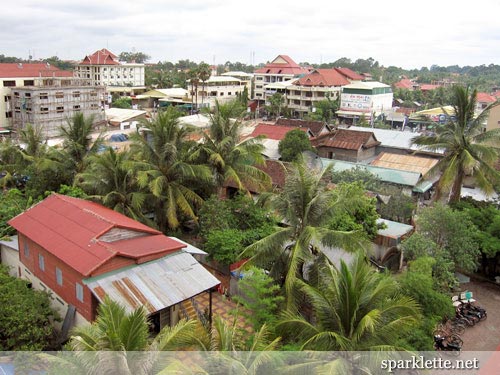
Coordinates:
(188, 310)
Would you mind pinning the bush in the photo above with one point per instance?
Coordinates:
(293, 144)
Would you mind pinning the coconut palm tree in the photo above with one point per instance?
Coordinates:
(110, 180)
(232, 161)
(354, 308)
(78, 142)
(194, 80)
(164, 171)
(204, 73)
(306, 206)
(119, 342)
(467, 149)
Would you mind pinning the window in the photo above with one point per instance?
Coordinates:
(229, 93)
(29, 82)
(79, 292)
(59, 276)
(221, 94)
(44, 95)
(26, 249)
(9, 83)
(76, 107)
(16, 94)
(76, 94)
(93, 93)
(59, 95)
(60, 109)
(27, 95)
(44, 109)
(94, 106)
(41, 262)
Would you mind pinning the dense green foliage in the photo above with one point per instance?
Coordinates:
(122, 102)
(12, 203)
(26, 316)
(369, 180)
(228, 226)
(400, 208)
(418, 283)
(260, 295)
(293, 144)
(354, 307)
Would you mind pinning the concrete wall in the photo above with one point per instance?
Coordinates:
(10, 257)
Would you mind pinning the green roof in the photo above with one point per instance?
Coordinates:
(393, 176)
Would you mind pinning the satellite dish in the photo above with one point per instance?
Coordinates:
(312, 160)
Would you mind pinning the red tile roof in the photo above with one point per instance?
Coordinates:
(483, 97)
(427, 87)
(289, 67)
(276, 132)
(31, 70)
(71, 230)
(323, 77)
(314, 126)
(347, 140)
(101, 57)
(350, 74)
(404, 84)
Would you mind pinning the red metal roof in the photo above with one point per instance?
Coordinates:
(350, 74)
(276, 132)
(483, 97)
(405, 83)
(289, 67)
(31, 70)
(71, 230)
(323, 77)
(101, 57)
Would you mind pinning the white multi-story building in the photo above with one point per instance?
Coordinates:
(246, 78)
(220, 88)
(364, 99)
(103, 69)
(281, 69)
(22, 75)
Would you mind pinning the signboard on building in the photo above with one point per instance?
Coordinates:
(357, 102)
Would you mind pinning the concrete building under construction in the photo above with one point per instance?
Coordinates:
(51, 101)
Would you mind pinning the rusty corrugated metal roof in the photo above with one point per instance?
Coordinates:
(154, 285)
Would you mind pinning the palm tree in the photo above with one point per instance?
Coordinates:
(467, 149)
(232, 161)
(194, 80)
(78, 142)
(204, 73)
(110, 180)
(111, 343)
(306, 205)
(354, 308)
(163, 169)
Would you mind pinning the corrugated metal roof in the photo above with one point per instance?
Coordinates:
(393, 229)
(404, 162)
(385, 174)
(155, 285)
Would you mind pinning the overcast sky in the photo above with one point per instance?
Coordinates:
(406, 34)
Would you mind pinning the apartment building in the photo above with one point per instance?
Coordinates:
(52, 102)
(103, 69)
(281, 69)
(304, 92)
(246, 78)
(364, 99)
(220, 88)
(21, 75)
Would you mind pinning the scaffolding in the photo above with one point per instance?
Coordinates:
(52, 101)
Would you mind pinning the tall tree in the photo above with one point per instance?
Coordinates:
(194, 81)
(467, 149)
(204, 73)
(293, 144)
(232, 161)
(78, 141)
(306, 205)
(354, 308)
(163, 169)
(110, 180)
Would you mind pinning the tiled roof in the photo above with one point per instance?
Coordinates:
(405, 83)
(323, 77)
(427, 87)
(483, 97)
(350, 74)
(288, 67)
(31, 70)
(71, 230)
(314, 126)
(101, 57)
(273, 131)
(347, 139)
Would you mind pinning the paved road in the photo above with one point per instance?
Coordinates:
(485, 335)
